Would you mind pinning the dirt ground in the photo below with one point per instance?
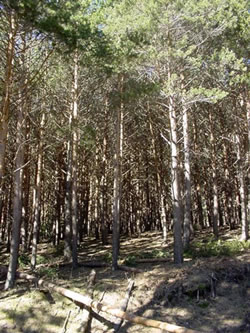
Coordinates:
(205, 294)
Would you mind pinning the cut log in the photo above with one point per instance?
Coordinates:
(124, 306)
(86, 313)
(95, 305)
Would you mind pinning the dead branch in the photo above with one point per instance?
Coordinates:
(86, 313)
(64, 329)
(124, 305)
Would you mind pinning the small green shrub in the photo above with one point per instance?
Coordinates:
(130, 260)
(154, 254)
(23, 260)
(108, 257)
(50, 272)
(203, 305)
(58, 250)
(41, 260)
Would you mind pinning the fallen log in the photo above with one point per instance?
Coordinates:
(97, 306)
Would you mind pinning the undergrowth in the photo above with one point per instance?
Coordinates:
(214, 248)
(131, 259)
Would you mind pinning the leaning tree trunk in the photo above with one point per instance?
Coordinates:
(117, 183)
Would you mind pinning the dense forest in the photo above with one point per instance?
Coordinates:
(120, 118)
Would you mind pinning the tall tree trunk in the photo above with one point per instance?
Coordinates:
(67, 205)
(103, 182)
(17, 201)
(187, 181)
(177, 214)
(37, 194)
(117, 182)
(244, 172)
(26, 192)
(159, 187)
(6, 94)
(215, 210)
(74, 163)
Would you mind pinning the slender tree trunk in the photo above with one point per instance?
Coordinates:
(117, 183)
(103, 182)
(159, 188)
(177, 215)
(67, 205)
(17, 201)
(244, 173)
(6, 93)
(74, 163)
(187, 182)
(26, 193)
(215, 211)
(37, 194)
(242, 191)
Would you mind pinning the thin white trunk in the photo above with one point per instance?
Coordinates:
(177, 214)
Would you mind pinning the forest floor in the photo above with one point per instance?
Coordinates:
(177, 294)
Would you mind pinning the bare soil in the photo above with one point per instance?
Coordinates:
(181, 295)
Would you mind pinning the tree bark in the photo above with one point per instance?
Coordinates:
(215, 209)
(74, 163)
(187, 181)
(177, 215)
(17, 200)
(117, 182)
(67, 205)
